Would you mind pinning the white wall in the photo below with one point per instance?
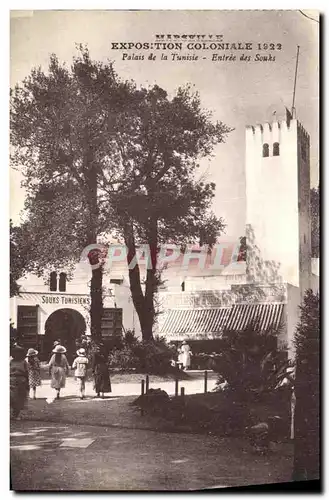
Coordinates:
(272, 195)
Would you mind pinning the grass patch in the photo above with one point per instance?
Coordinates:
(216, 413)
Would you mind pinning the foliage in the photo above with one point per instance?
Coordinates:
(130, 338)
(61, 127)
(307, 389)
(259, 270)
(315, 221)
(19, 257)
(242, 255)
(250, 363)
(105, 345)
(86, 343)
(124, 359)
(307, 332)
(145, 357)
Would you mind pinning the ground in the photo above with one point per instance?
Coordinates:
(130, 384)
(80, 457)
(96, 444)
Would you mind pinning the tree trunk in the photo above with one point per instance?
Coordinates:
(139, 301)
(95, 258)
(151, 278)
(96, 305)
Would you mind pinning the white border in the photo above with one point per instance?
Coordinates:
(4, 185)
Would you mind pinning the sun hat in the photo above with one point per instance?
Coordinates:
(32, 352)
(81, 352)
(59, 349)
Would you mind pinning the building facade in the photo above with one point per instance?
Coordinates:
(44, 311)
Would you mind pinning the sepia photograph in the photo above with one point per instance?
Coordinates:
(164, 251)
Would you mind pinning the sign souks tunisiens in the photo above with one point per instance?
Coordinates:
(64, 300)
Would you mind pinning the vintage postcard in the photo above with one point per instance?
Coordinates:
(164, 245)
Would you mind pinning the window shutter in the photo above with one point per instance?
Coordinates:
(53, 282)
(62, 282)
(27, 325)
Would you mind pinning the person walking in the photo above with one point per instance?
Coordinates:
(19, 380)
(33, 367)
(102, 381)
(58, 369)
(186, 353)
(80, 365)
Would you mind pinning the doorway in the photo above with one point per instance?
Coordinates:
(64, 325)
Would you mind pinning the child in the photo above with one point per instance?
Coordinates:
(33, 367)
(80, 364)
(19, 382)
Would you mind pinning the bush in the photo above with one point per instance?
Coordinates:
(145, 357)
(106, 344)
(250, 363)
(123, 359)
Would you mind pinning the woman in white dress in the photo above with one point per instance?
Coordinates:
(58, 369)
(185, 355)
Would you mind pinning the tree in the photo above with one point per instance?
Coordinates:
(307, 390)
(315, 221)
(160, 200)
(62, 122)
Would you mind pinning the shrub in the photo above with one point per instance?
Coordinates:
(250, 362)
(154, 357)
(123, 359)
(146, 357)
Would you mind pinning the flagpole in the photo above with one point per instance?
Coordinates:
(294, 93)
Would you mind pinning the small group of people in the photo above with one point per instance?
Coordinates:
(184, 355)
(59, 369)
(25, 373)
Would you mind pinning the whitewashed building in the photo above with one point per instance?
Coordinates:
(279, 266)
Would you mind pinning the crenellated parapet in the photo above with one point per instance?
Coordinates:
(268, 137)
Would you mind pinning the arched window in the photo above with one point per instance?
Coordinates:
(276, 149)
(62, 282)
(53, 282)
(266, 150)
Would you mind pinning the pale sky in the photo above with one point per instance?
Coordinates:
(238, 93)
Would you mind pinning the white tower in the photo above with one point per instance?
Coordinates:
(278, 201)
